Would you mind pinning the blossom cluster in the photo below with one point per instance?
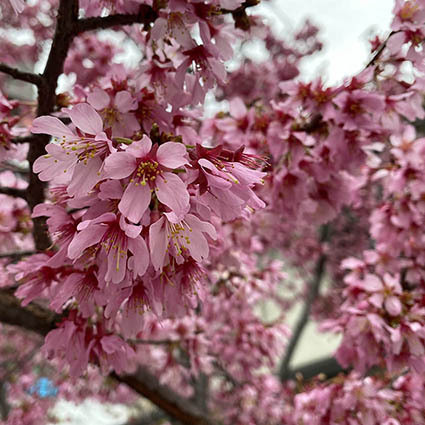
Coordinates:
(166, 225)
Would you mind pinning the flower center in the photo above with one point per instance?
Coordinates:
(408, 10)
(178, 236)
(146, 172)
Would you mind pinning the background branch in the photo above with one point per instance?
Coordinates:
(145, 16)
(28, 77)
(42, 321)
(328, 367)
(11, 191)
(17, 254)
(62, 39)
(313, 292)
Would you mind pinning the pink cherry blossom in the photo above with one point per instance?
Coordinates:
(77, 156)
(149, 169)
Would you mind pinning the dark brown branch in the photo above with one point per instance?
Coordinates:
(147, 385)
(155, 341)
(152, 418)
(13, 167)
(327, 367)
(25, 139)
(16, 255)
(381, 48)
(4, 405)
(303, 319)
(42, 321)
(62, 39)
(33, 317)
(11, 191)
(28, 77)
(145, 16)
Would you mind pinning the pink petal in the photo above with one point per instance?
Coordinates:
(99, 99)
(86, 118)
(117, 266)
(173, 193)
(85, 177)
(237, 108)
(140, 260)
(82, 240)
(158, 243)
(119, 165)
(135, 201)
(393, 306)
(130, 230)
(172, 155)
(140, 148)
(203, 226)
(125, 102)
(111, 343)
(110, 189)
(52, 126)
(415, 345)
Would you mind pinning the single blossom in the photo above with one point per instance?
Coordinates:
(116, 238)
(116, 111)
(149, 169)
(179, 239)
(76, 158)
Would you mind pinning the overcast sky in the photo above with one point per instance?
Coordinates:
(345, 26)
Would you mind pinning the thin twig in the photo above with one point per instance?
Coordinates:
(11, 191)
(25, 139)
(15, 255)
(6, 165)
(303, 319)
(381, 48)
(154, 341)
(327, 367)
(28, 77)
(145, 16)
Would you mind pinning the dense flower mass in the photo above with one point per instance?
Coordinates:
(147, 239)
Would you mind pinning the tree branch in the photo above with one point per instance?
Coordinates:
(28, 77)
(42, 321)
(16, 255)
(148, 419)
(11, 191)
(381, 48)
(62, 39)
(303, 319)
(328, 367)
(15, 168)
(145, 16)
(25, 139)
(147, 385)
(33, 317)
(155, 341)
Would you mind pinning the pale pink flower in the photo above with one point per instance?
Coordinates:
(114, 353)
(116, 237)
(69, 333)
(77, 156)
(116, 111)
(179, 239)
(149, 170)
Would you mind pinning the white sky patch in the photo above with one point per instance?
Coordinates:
(345, 28)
